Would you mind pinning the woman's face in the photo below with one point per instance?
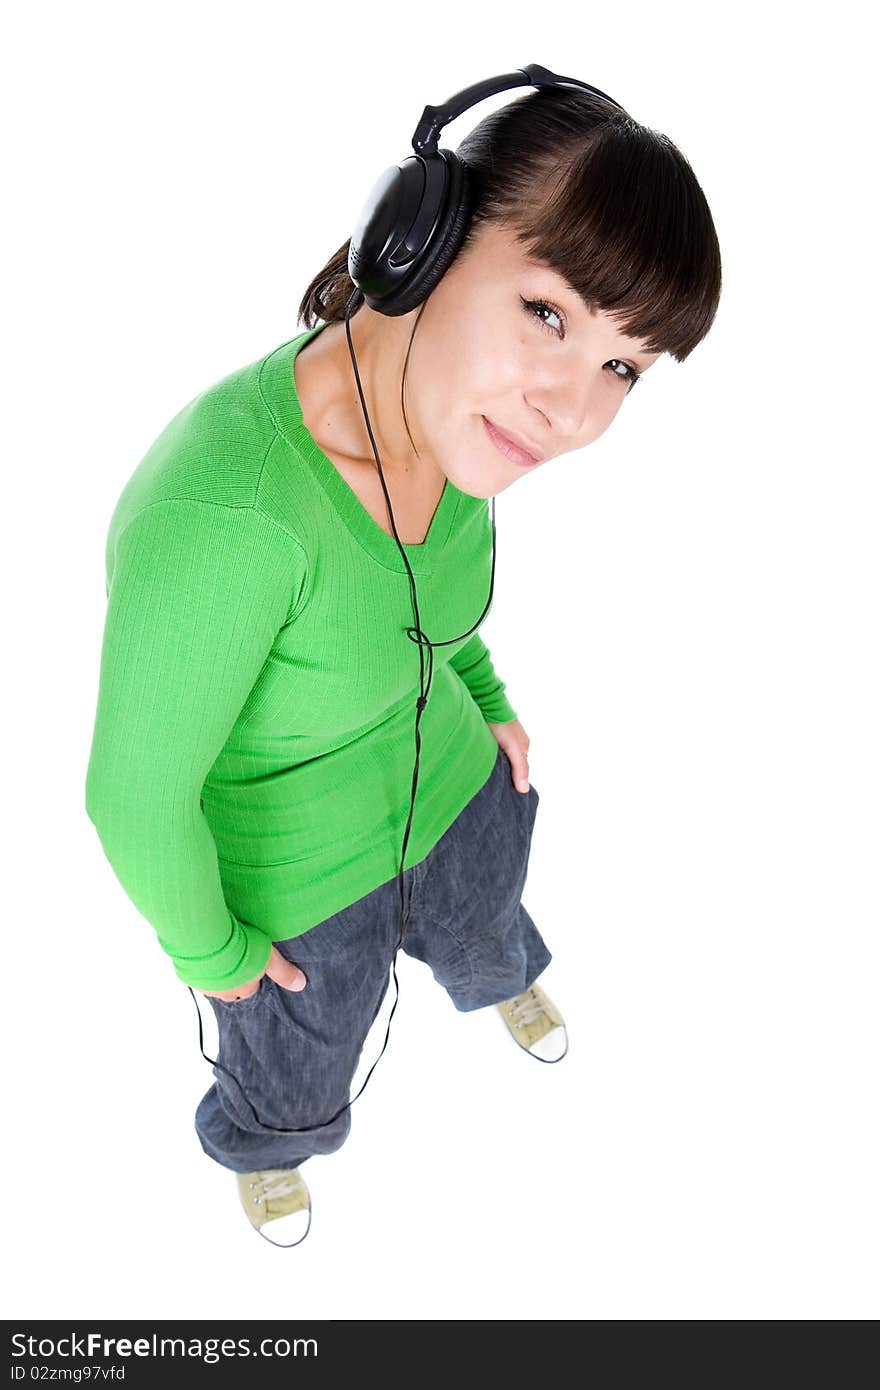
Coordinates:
(555, 377)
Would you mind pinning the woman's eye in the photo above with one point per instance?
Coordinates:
(536, 307)
(628, 374)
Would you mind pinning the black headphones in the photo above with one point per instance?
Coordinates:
(409, 231)
(417, 213)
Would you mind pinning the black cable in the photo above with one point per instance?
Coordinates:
(415, 634)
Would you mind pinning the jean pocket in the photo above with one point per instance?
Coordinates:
(240, 1005)
(526, 802)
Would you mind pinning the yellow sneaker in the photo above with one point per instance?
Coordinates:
(278, 1196)
(536, 1024)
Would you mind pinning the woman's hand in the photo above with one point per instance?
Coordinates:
(513, 738)
(281, 970)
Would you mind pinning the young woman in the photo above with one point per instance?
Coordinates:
(251, 765)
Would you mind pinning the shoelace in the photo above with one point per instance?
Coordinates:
(281, 1188)
(526, 1009)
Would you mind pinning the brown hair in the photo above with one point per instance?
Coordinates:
(611, 205)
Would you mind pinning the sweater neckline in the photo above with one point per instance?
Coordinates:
(278, 386)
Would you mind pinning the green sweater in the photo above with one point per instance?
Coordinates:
(253, 747)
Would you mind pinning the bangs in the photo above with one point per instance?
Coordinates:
(619, 215)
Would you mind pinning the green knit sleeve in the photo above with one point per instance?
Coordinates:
(473, 663)
(196, 594)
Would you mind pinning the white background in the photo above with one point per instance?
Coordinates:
(686, 619)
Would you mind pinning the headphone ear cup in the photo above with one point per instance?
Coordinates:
(431, 266)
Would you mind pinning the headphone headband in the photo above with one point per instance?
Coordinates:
(434, 118)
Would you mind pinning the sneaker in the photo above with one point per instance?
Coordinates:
(536, 1024)
(277, 1196)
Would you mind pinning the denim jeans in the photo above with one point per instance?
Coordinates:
(295, 1054)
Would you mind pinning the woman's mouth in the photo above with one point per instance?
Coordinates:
(506, 446)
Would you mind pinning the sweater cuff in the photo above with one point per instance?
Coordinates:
(244, 956)
(497, 709)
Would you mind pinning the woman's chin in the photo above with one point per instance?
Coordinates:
(484, 485)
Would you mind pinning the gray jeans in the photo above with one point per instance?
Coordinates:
(295, 1054)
